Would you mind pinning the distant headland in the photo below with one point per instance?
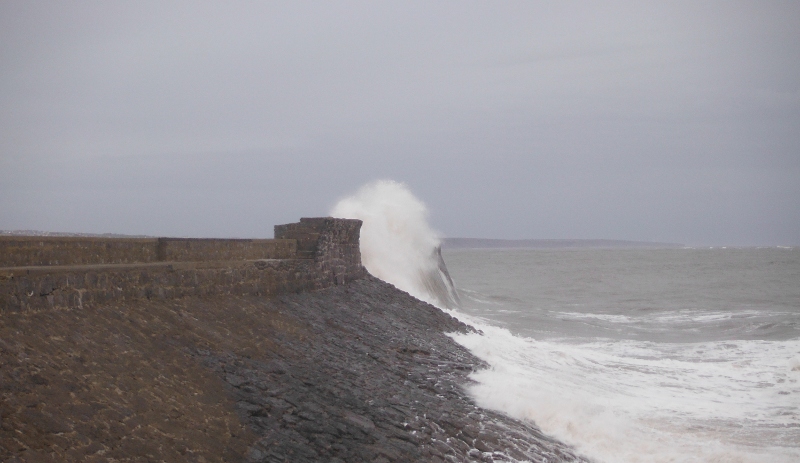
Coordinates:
(488, 243)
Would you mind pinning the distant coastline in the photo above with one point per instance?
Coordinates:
(486, 243)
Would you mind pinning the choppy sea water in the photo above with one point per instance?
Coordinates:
(652, 355)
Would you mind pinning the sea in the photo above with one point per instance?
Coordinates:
(627, 354)
(640, 355)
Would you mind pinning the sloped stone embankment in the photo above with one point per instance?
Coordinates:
(348, 369)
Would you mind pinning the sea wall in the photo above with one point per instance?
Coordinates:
(64, 272)
(26, 251)
(108, 362)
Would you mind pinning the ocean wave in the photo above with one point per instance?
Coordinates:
(397, 243)
(746, 319)
(631, 401)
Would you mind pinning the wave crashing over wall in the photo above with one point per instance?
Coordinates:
(397, 243)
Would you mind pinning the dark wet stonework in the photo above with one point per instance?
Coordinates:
(373, 379)
(357, 372)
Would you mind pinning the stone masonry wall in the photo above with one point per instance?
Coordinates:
(332, 243)
(23, 251)
(310, 255)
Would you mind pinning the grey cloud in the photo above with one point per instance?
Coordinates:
(670, 122)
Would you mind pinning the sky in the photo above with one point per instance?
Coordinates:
(653, 121)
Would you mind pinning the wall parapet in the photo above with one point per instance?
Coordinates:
(30, 251)
(39, 273)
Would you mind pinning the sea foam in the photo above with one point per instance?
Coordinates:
(632, 401)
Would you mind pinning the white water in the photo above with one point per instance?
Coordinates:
(397, 244)
(615, 400)
(633, 401)
(641, 355)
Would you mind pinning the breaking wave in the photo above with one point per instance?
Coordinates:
(397, 243)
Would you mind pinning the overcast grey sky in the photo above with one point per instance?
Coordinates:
(660, 121)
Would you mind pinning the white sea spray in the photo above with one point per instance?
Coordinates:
(397, 243)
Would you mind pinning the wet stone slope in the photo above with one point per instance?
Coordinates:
(357, 372)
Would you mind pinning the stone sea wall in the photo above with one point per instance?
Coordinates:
(106, 359)
(26, 251)
(39, 273)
